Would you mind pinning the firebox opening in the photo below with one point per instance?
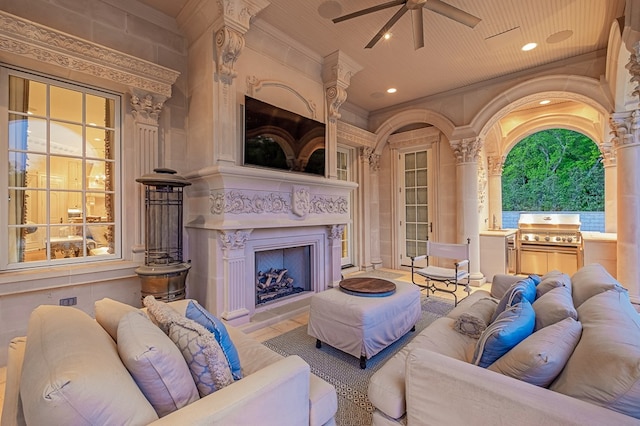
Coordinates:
(282, 272)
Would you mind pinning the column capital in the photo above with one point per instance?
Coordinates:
(369, 155)
(335, 232)
(625, 128)
(146, 107)
(495, 164)
(466, 150)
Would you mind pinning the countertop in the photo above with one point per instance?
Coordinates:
(498, 232)
(599, 236)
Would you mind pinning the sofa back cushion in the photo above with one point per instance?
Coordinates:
(539, 358)
(605, 366)
(591, 280)
(553, 306)
(155, 363)
(551, 280)
(109, 312)
(72, 374)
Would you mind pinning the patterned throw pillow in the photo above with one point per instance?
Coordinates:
(207, 363)
(203, 317)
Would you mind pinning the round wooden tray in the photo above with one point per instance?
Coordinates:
(369, 287)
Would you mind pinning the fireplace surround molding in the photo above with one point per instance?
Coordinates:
(234, 211)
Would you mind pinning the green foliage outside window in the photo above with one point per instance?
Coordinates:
(553, 170)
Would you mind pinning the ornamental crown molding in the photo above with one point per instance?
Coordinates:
(30, 40)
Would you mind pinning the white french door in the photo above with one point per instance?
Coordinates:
(414, 203)
(344, 160)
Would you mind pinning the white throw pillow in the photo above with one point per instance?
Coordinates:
(156, 364)
(539, 358)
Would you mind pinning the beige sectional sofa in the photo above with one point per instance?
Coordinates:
(68, 370)
(591, 367)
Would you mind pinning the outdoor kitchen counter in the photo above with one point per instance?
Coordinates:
(498, 232)
(600, 247)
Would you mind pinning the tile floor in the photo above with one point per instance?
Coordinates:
(272, 323)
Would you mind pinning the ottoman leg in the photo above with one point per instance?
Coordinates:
(318, 343)
(413, 328)
(363, 362)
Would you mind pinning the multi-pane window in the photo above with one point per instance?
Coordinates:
(62, 142)
(416, 203)
(343, 172)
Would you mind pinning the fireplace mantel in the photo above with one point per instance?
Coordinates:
(233, 211)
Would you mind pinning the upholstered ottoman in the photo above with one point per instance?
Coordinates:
(363, 326)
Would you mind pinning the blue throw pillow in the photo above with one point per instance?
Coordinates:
(511, 327)
(203, 317)
(536, 279)
(523, 289)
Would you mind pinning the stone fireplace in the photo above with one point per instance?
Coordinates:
(282, 272)
(238, 213)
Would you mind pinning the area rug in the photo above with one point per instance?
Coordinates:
(343, 370)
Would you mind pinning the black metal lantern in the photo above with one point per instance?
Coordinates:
(164, 272)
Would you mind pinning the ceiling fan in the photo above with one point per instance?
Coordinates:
(415, 6)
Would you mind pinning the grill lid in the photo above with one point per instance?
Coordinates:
(549, 221)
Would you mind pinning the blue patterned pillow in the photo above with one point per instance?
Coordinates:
(511, 327)
(203, 317)
(523, 289)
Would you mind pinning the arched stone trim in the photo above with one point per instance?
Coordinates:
(254, 85)
(579, 89)
(577, 124)
(412, 116)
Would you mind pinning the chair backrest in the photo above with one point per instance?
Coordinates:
(448, 251)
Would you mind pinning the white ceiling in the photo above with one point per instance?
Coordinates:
(454, 55)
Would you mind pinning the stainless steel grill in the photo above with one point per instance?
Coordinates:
(548, 241)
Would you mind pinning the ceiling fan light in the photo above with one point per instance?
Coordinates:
(392, 90)
(387, 36)
(529, 46)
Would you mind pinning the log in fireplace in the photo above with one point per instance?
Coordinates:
(282, 272)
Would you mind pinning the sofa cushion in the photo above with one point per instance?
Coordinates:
(155, 363)
(477, 318)
(510, 328)
(201, 351)
(109, 312)
(551, 280)
(523, 289)
(553, 306)
(72, 373)
(605, 366)
(214, 325)
(591, 280)
(539, 358)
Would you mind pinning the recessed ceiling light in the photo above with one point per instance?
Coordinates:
(387, 36)
(392, 90)
(545, 102)
(529, 46)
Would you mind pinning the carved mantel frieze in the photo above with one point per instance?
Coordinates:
(27, 39)
(299, 203)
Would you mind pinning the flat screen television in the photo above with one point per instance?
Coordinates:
(280, 139)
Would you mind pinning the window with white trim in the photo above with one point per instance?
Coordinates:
(61, 142)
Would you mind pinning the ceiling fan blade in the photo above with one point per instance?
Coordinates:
(368, 10)
(452, 12)
(418, 34)
(387, 26)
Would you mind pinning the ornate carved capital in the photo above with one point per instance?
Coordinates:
(634, 69)
(335, 97)
(146, 108)
(369, 155)
(335, 232)
(229, 43)
(495, 164)
(466, 150)
(625, 128)
(233, 240)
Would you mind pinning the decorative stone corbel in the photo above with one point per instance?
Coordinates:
(337, 70)
(229, 44)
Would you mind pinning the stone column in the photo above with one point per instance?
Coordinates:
(495, 191)
(626, 128)
(337, 70)
(370, 164)
(145, 109)
(236, 291)
(610, 187)
(335, 252)
(466, 152)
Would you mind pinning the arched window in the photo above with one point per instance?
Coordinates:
(555, 170)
